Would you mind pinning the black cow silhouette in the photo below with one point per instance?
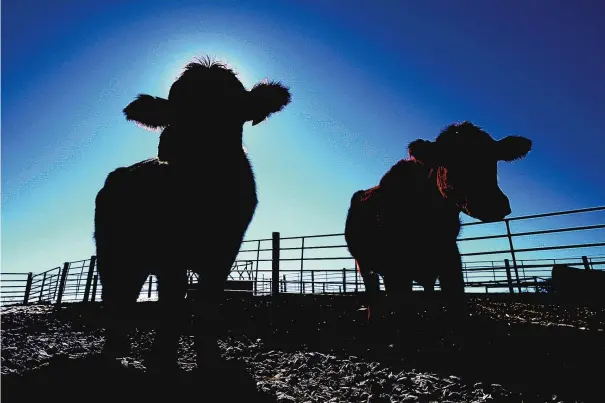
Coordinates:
(187, 208)
(406, 228)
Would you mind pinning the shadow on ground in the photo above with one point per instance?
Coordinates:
(93, 379)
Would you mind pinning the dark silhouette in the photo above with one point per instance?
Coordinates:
(574, 285)
(406, 228)
(187, 208)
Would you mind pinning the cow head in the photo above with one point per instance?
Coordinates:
(206, 109)
(464, 159)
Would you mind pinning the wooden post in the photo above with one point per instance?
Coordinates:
(324, 288)
(28, 287)
(94, 288)
(356, 281)
(275, 264)
(585, 262)
(62, 282)
(42, 287)
(344, 279)
(486, 290)
(284, 283)
(91, 272)
(312, 282)
(149, 286)
(509, 277)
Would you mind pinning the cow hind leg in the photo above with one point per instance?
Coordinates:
(172, 288)
(399, 293)
(121, 287)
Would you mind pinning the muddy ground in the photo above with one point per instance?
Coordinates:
(318, 349)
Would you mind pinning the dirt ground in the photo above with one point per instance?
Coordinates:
(318, 349)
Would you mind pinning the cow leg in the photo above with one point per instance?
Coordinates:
(452, 286)
(121, 288)
(172, 288)
(399, 292)
(452, 283)
(401, 311)
(371, 283)
(208, 299)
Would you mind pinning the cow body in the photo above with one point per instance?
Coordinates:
(406, 228)
(186, 209)
(393, 231)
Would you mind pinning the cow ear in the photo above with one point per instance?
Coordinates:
(267, 98)
(151, 113)
(512, 148)
(424, 151)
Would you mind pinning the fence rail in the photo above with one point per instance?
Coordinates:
(522, 251)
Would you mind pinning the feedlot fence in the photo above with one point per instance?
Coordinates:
(515, 255)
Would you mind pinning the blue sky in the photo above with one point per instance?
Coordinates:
(366, 80)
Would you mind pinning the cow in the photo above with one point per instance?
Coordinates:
(187, 208)
(405, 229)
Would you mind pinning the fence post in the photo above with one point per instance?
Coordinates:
(312, 282)
(28, 287)
(284, 283)
(149, 286)
(512, 251)
(91, 272)
(62, 282)
(275, 264)
(536, 283)
(42, 288)
(585, 262)
(324, 288)
(509, 277)
(344, 279)
(302, 261)
(256, 275)
(94, 288)
(518, 280)
(57, 283)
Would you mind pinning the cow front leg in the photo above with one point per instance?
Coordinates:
(452, 284)
(371, 284)
(208, 321)
(121, 287)
(172, 288)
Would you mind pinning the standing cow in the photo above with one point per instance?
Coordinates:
(406, 228)
(188, 208)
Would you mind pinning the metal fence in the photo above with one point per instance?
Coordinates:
(513, 255)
